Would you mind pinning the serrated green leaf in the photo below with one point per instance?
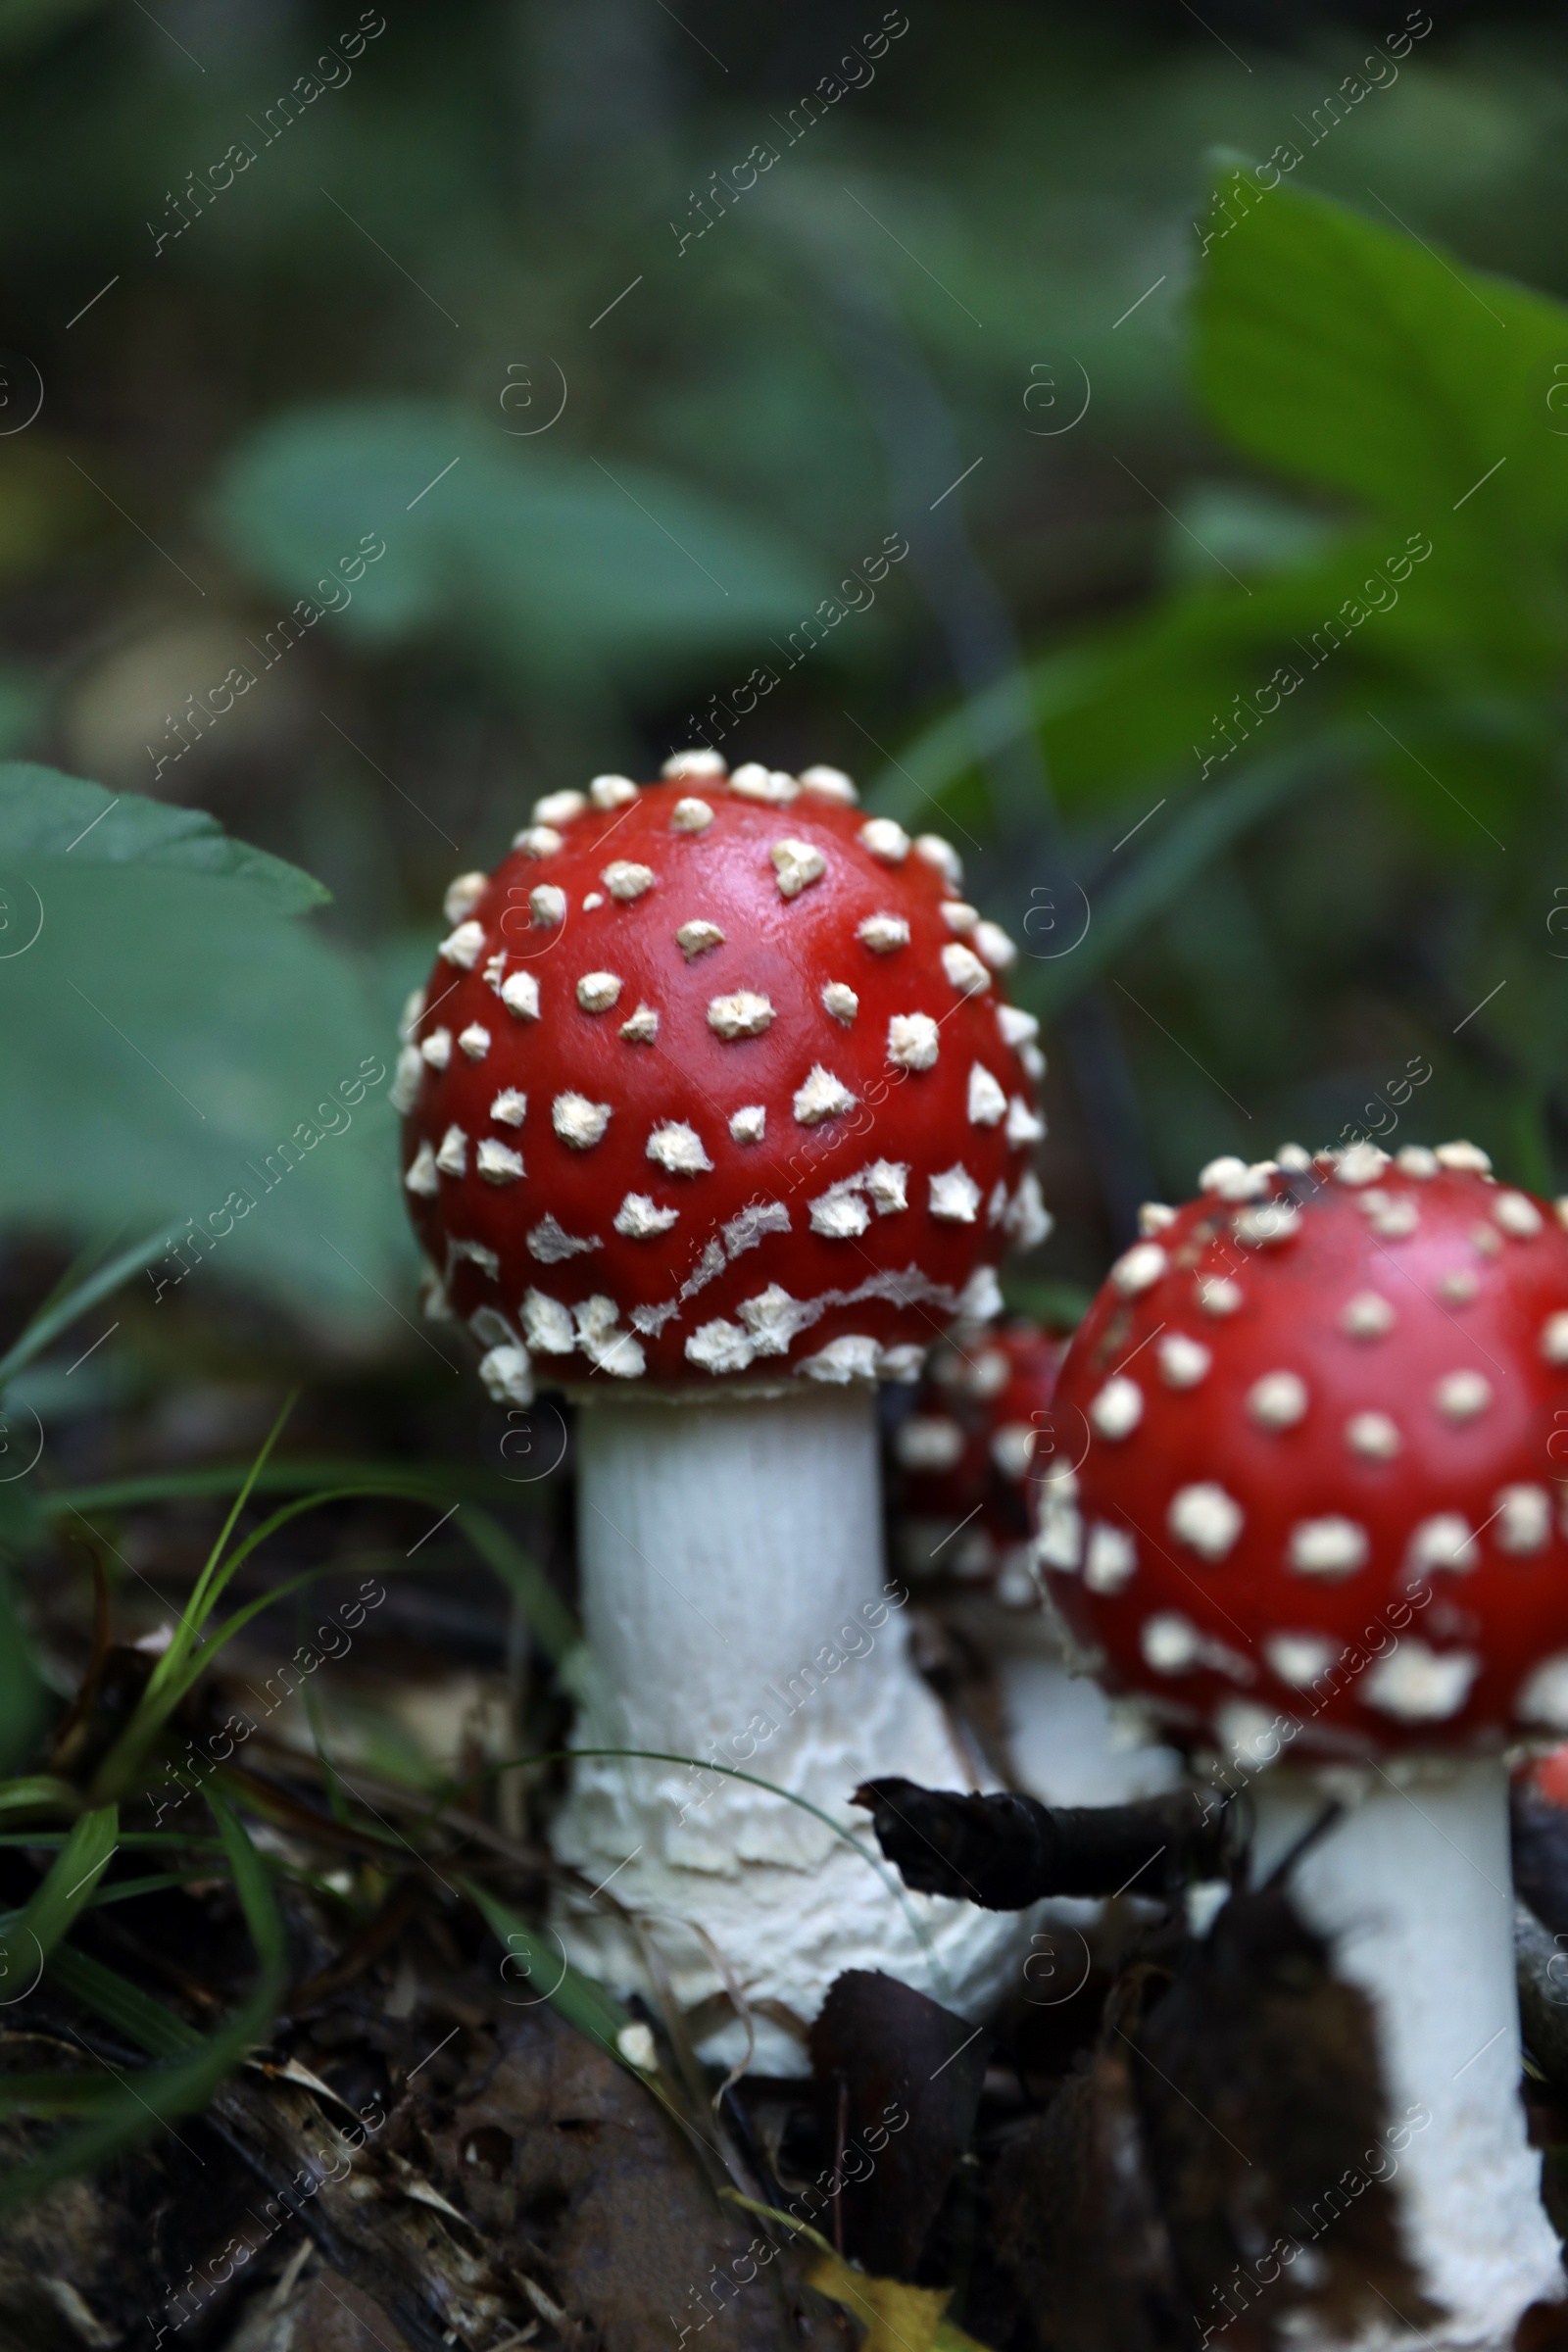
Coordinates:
(1340, 351)
(1160, 693)
(47, 815)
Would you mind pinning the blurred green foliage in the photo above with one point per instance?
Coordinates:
(453, 304)
(404, 413)
(556, 578)
(175, 1044)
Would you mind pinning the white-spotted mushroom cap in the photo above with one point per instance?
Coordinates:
(969, 1452)
(1335, 1508)
(721, 1110)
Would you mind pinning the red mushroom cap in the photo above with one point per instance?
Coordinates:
(1318, 1411)
(966, 1452)
(714, 1079)
(1547, 1776)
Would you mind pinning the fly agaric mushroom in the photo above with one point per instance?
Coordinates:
(716, 1116)
(966, 1453)
(974, 1455)
(1315, 1527)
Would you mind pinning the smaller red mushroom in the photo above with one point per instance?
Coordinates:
(966, 1452)
(1317, 1527)
(973, 1457)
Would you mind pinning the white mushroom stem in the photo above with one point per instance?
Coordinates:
(1067, 1740)
(738, 1608)
(1414, 1888)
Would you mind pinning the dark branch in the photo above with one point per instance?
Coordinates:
(1004, 1852)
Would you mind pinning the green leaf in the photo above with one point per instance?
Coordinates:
(1148, 704)
(1200, 829)
(1160, 693)
(1249, 531)
(557, 565)
(178, 1048)
(46, 815)
(70, 1882)
(1340, 351)
(1347, 355)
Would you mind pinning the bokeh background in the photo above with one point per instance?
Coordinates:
(494, 290)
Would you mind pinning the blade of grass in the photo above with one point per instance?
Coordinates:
(549, 1615)
(167, 1685)
(771, 2213)
(126, 1890)
(255, 1894)
(155, 2093)
(338, 1802)
(580, 2001)
(58, 1316)
(49, 1911)
(732, 1772)
(50, 1840)
(223, 1576)
(438, 1482)
(551, 1621)
(177, 1670)
(122, 2004)
(44, 2097)
(240, 1501)
(1193, 839)
(287, 1813)
(38, 1793)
